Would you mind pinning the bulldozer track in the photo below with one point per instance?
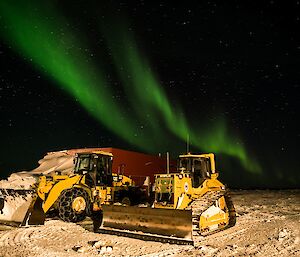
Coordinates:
(199, 205)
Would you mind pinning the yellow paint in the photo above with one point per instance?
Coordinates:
(57, 189)
(79, 204)
(122, 180)
(183, 194)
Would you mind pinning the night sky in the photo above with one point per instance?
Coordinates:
(144, 76)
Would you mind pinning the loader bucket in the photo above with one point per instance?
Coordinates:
(21, 207)
(164, 222)
(35, 214)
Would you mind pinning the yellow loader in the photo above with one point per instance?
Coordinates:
(188, 204)
(71, 197)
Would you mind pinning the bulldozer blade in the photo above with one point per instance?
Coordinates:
(164, 222)
(20, 207)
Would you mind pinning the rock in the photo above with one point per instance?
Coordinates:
(98, 244)
(106, 249)
(80, 249)
(103, 250)
(76, 247)
(109, 248)
(282, 234)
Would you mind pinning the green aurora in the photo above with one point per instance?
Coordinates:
(150, 98)
(59, 54)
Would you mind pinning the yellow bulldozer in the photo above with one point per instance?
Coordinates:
(188, 204)
(71, 197)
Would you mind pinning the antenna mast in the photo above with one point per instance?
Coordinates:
(168, 163)
(187, 143)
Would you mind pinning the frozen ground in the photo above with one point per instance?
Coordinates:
(268, 224)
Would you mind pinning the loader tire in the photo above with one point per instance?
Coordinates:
(126, 201)
(97, 217)
(74, 205)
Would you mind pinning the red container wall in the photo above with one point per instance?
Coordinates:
(135, 164)
(138, 164)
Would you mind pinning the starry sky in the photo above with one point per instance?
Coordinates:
(145, 76)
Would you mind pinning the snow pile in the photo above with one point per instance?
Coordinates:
(53, 162)
(18, 181)
(15, 207)
(61, 162)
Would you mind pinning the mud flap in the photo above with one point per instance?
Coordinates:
(165, 222)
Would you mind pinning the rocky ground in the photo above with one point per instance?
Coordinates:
(268, 224)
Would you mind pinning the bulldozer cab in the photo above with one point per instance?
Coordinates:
(97, 168)
(199, 166)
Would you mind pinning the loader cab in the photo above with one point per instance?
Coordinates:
(97, 168)
(199, 166)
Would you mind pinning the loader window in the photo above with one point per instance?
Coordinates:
(83, 164)
(103, 175)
